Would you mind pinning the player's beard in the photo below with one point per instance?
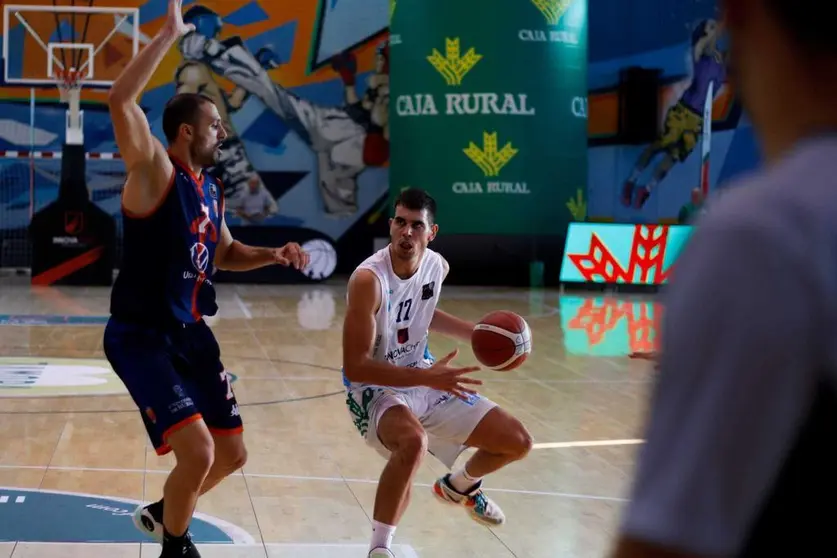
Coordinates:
(207, 157)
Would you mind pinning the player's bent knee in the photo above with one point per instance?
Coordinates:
(517, 441)
(193, 448)
(239, 459)
(403, 435)
(232, 460)
(230, 452)
(523, 442)
(412, 446)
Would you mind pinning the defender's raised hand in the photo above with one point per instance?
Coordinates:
(174, 21)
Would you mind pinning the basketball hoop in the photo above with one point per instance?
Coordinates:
(69, 83)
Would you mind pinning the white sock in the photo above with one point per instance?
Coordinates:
(462, 481)
(381, 535)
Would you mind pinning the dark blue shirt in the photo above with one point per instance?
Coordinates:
(168, 254)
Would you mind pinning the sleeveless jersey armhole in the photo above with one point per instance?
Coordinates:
(150, 213)
(378, 279)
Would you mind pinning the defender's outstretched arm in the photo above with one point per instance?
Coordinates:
(133, 134)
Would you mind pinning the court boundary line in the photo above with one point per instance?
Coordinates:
(587, 444)
(405, 550)
(347, 480)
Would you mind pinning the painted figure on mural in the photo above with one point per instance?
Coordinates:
(193, 76)
(346, 139)
(684, 120)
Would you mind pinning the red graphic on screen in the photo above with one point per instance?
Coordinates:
(598, 317)
(645, 265)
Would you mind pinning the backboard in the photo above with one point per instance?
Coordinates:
(40, 40)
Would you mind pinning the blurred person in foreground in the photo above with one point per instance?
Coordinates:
(744, 413)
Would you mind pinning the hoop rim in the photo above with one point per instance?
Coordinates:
(68, 78)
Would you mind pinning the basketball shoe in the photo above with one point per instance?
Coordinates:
(381, 553)
(149, 520)
(183, 548)
(480, 507)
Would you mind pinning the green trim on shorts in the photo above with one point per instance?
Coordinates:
(360, 412)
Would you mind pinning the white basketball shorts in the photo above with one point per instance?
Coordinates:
(447, 419)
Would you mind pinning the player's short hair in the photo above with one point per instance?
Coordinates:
(181, 109)
(810, 28)
(415, 199)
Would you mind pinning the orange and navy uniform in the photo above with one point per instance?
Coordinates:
(156, 339)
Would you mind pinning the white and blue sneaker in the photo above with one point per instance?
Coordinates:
(480, 507)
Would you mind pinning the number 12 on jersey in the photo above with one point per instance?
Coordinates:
(403, 308)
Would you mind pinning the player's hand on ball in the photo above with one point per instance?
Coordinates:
(174, 21)
(292, 254)
(444, 377)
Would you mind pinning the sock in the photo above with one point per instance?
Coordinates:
(381, 535)
(462, 482)
(171, 542)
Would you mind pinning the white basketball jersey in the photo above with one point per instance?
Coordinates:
(402, 323)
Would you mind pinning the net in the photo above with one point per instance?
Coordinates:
(69, 83)
(41, 40)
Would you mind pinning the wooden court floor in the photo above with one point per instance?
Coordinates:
(74, 457)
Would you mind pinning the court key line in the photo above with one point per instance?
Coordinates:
(587, 444)
(310, 478)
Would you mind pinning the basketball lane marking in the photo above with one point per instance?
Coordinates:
(312, 479)
(587, 444)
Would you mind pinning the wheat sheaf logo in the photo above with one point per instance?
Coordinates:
(552, 10)
(488, 158)
(453, 66)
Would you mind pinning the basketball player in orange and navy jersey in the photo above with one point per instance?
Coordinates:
(156, 340)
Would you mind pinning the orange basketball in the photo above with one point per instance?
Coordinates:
(501, 340)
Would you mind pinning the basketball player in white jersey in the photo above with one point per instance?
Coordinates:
(402, 402)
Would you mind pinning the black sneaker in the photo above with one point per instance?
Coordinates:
(181, 549)
(149, 520)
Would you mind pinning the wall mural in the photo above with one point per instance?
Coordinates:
(303, 88)
(659, 182)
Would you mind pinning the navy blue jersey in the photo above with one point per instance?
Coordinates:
(168, 254)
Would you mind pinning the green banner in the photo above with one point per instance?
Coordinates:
(488, 111)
